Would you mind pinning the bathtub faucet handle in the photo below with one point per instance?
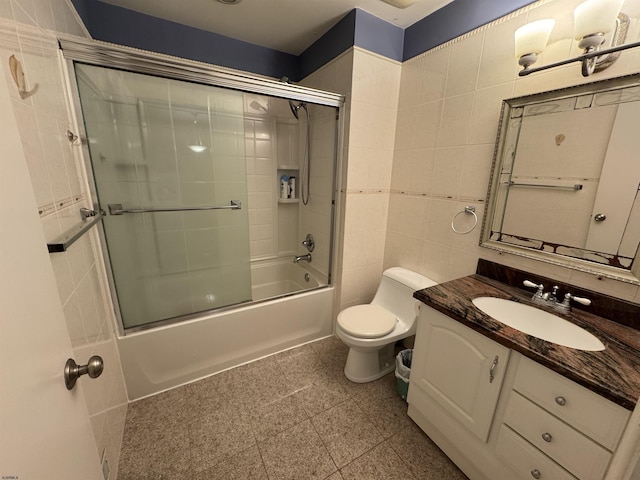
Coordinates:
(309, 243)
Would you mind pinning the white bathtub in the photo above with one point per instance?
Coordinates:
(165, 357)
(272, 278)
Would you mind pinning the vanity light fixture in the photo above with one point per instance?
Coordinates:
(592, 20)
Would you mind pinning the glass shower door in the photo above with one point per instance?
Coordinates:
(169, 169)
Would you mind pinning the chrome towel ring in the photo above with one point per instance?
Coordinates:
(470, 209)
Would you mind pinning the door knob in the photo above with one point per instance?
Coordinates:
(599, 217)
(72, 370)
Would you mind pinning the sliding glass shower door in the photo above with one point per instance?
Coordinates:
(169, 167)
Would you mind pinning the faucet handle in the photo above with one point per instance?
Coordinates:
(530, 284)
(581, 300)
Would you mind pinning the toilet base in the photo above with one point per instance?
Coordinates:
(367, 365)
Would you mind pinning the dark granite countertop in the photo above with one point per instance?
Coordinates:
(613, 373)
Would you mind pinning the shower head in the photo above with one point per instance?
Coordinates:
(295, 108)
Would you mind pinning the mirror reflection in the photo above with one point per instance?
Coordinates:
(565, 179)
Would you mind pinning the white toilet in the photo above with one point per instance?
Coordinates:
(371, 331)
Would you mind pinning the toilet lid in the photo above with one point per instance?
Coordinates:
(367, 321)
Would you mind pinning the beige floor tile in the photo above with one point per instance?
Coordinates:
(272, 418)
(335, 476)
(155, 454)
(246, 465)
(380, 389)
(389, 415)
(300, 364)
(296, 454)
(380, 463)
(293, 415)
(346, 432)
(423, 457)
(323, 393)
(218, 435)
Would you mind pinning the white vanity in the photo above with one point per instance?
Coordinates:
(500, 415)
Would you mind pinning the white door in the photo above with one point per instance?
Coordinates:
(45, 431)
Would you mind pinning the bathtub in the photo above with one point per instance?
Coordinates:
(272, 278)
(165, 357)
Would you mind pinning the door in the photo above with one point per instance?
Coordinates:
(459, 368)
(45, 431)
(168, 161)
(612, 229)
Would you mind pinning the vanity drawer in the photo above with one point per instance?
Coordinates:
(526, 460)
(576, 453)
(593, 415)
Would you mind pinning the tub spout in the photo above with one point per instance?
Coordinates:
(306, 258)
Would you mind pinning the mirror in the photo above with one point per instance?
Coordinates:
(565, 178)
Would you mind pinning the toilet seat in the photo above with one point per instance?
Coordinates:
(367, 321)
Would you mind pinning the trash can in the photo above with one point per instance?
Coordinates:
(403, 371)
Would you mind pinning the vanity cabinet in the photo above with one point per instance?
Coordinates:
(459, 369)
(498, 414)
(552, 422)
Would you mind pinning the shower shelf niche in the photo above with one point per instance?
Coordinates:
(288, 170)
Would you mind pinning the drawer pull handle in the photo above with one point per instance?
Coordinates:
(493, 367)
(535, 473)
(561, 401)
(547, 437)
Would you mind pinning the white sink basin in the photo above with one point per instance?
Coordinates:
(538, 323)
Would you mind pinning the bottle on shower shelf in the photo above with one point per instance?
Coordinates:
(292, 187)
(284, 187)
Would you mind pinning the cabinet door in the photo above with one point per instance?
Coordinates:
(459, 368)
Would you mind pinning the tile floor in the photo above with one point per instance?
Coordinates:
(292, 415)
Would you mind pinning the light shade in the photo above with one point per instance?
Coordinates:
(533, 37)
(595, 16)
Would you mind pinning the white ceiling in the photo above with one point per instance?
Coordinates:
(286, 25)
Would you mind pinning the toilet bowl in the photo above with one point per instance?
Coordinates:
(371, 331)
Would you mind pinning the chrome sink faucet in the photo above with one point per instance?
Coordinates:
(550, 298)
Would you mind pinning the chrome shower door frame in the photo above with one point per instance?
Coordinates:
(101, 54)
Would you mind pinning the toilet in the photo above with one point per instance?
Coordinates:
(371, 331)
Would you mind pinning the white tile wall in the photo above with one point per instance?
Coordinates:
(446, 128)
(372, 86)
(27, 31)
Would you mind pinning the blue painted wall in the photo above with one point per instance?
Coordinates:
(455, 19)
(337, 40)
(125, 27)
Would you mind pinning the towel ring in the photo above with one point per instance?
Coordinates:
(468, 209)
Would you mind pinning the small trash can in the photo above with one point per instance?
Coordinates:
(403, 371)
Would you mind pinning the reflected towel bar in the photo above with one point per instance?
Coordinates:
(577, 186)
(63, 243)
(116, 208)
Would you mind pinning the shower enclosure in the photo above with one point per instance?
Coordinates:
(191, 168)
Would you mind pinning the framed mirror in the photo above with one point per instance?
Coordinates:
(565, 179)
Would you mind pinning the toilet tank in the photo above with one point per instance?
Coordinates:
(395, 292)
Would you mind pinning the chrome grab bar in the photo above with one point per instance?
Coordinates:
(577, 186)
(63, 243)
(116, 208)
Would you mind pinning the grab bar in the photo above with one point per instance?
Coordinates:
(63, 243)
(116, 208)
(577, 186)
